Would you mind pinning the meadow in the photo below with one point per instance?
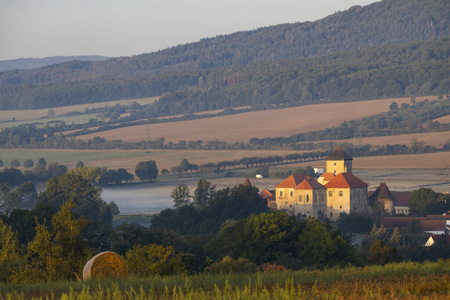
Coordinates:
(406, 280)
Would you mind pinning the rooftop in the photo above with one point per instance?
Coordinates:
(345, 180)
(339, 154)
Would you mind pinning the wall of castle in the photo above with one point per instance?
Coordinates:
(339, 166)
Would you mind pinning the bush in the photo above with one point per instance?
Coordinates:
(229, 265)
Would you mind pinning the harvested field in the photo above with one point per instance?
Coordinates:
(260, 124)
(443, 120)
(437, 139)
(35, 114)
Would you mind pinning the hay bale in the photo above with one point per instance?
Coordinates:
(105, 264)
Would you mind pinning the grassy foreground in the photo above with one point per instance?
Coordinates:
(406, 280)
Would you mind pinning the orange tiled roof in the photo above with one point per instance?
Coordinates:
(345, 180)
(265, 193)
(247, 182)
(327, 176)
(310, 184)
(292, 181)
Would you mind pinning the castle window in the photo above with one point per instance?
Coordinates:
(334, 163)
(331, 214)
(307, 198)
(281, 193)
(292, 193)
(330, 193)
(340, 193)
(300, 198)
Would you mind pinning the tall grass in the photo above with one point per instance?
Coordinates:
(407, 279)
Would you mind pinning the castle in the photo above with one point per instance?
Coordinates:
(334, 192)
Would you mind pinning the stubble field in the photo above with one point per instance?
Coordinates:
(259, 124)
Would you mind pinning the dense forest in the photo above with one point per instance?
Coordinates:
(386, 49)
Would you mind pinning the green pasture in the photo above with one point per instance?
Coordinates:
(63, 156)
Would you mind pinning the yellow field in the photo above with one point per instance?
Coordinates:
(260, 124)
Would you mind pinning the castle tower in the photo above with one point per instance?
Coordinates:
(339, 162)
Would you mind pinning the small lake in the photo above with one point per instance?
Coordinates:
(139, 198)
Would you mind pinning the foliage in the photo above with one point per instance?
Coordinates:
(146, 170)
(24, 197)
(425, 201)
(181, 195)
(203, 193)
(154, 260)
(228, 265)
(60, 253)
(354, 223)
(381, 254)
(10, 252)
(73, 187)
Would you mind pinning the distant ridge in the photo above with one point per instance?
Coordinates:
(33, 63)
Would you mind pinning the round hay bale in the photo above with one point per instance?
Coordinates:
(105, 264)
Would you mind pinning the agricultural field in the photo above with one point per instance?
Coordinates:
(30, 116)
(406, 280)
(436, 139)
(259, 124)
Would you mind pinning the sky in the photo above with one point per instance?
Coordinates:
(43, 28)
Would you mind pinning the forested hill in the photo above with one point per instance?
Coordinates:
(187, 67)
(32, 63)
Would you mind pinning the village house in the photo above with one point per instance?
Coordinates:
(394, 203)
(336, 191)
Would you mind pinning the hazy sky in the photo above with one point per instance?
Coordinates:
(41, 28)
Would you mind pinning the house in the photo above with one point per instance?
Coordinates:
(435, 238)
(336, 191)
(431, 224)
(401, 201)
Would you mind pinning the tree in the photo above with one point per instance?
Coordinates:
(267, 235)
(315, 244)
(73, 187)
(15, 163)
(203, 193)
(146, 170)
(10, 257)
(59, 253)
(56, 170)
(42, 163)
(154, 260)
(393, 106)
(381, 254)
(79, 164)
(28, 163)
(181, 195)
(421, 201)
(123, 175)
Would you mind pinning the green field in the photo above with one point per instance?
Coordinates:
(406, 280)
